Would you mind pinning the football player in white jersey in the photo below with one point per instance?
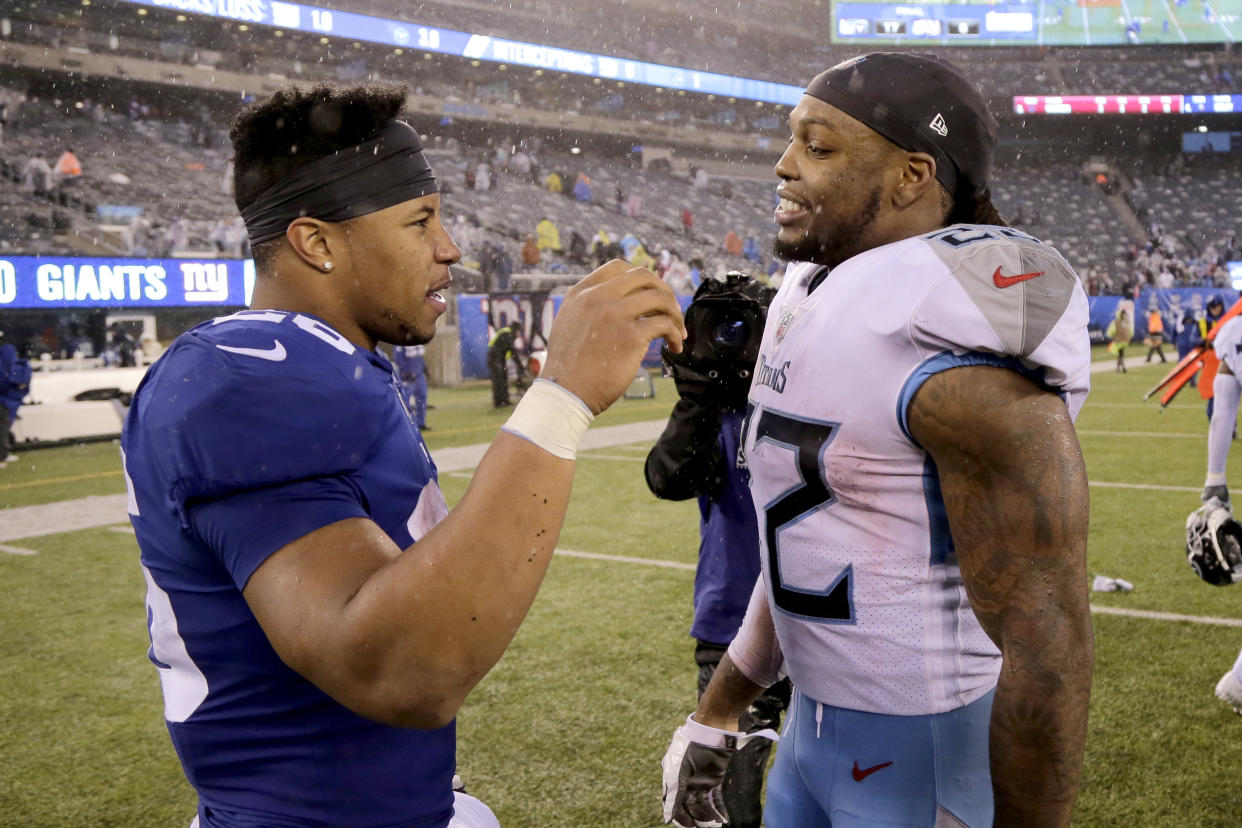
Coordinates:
(921, 495)
(1214, 563)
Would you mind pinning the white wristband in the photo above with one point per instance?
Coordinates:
(552, 417)
(714, 737)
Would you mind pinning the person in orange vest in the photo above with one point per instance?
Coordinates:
(67, 165)
(1155, 335)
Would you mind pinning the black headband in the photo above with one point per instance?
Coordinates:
(386, 170)
(922, 104)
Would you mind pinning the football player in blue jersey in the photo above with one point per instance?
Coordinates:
(920, 493)
(316, 615)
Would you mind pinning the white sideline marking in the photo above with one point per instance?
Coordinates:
(1094, 433)
(1152, 486)
(16, 550)
(595, 556)
(1129, 613)
(1167, 616)
(125, 530)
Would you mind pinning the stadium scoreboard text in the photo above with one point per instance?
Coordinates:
(939, 21)
(403, 34)
(78, 282)
(1125, 104)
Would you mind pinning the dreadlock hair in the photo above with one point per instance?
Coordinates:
(298, 125)
(980, 210)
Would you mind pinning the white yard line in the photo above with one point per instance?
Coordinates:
(1086, 26)
(627, 458)
(1097, 433)
(1148, 486)
(569, 553)
(1152, 615)
(1173, 17)
(16, 550)
(1220, 22)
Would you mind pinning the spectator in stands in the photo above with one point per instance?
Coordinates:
(531, 254)
(14, 386)
(620, 196)
(67, 166)
(519, 164)
(601, 246)
(483, 176)
(497, 266)
(577, 252)
(677, 275)
(634, 206)
(750, 249)
(700, 178)
(733, 244)
(549, 236)
(553, 182)
(37, 178)
(639, 257)
(176, 236)
(1120, 332)
(628, 242)
(697, 269)
(4, 119)
(582, 188)
(687, 221)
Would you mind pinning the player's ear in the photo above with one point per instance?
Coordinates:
(310, 240)
(918, 176)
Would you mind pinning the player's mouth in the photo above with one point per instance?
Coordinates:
(788, 211)
(435, 297)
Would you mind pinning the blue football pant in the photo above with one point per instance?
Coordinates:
(838, 768)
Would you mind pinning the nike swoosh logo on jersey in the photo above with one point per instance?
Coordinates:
(860, 775)
(274, 354)
(1009, 281)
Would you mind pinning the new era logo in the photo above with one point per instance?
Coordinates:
(939, 126)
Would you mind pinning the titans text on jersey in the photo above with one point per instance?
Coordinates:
(857, 557)
(251, 431)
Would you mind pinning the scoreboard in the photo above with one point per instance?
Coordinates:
(941, 22)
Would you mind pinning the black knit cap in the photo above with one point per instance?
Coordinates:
(922, 104)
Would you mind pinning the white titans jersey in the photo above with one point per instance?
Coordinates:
(1228, 345)
(858, 561)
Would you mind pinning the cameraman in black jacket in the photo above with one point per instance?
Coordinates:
(698, 456)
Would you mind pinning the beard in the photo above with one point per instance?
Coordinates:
(831, 245)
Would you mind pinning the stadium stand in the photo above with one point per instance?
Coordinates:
(162, 148)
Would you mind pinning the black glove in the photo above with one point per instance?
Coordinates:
(694, 770)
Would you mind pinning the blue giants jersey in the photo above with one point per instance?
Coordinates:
(250, 432)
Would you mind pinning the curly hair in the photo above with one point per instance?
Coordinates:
(298, 125)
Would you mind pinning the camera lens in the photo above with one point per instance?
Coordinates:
(732, 332)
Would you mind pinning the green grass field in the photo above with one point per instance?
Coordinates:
(570, 726)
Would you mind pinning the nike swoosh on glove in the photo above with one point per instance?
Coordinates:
(694, 770)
